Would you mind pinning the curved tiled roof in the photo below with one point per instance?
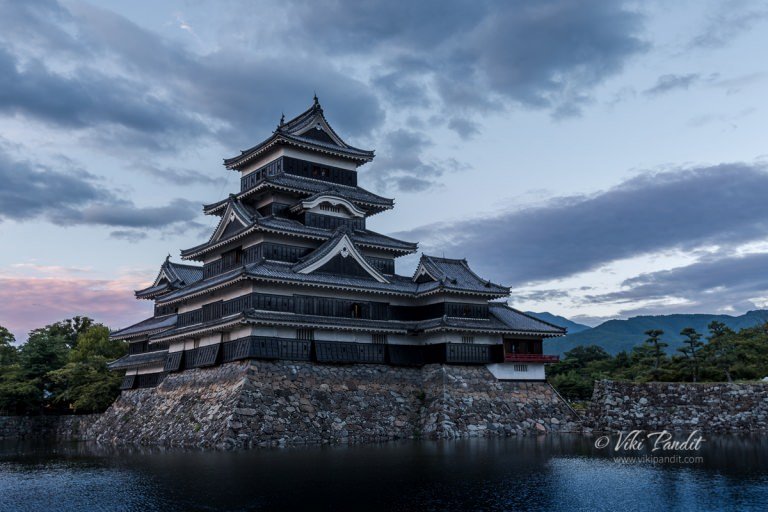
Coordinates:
(171, 276)
(309, 187)
(455, 273)
(136, 360)
(282, 225)
(291, 132)
(148, 326)
(519, 321)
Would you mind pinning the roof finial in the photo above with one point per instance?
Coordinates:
(168, 258)
(282, 119)
(317, 101)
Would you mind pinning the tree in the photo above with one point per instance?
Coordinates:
(70, 329)
(651, 352)
(720, 351)
(43, 353)
(8, 353)
(578, 358)
(86, 383)
(691, 350)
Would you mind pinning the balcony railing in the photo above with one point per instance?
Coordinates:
(530, 358)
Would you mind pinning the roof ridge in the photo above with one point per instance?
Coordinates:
(507, 306)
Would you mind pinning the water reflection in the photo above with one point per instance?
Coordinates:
(544, 473)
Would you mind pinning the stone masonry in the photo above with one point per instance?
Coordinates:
(655, 406)
(258, 403)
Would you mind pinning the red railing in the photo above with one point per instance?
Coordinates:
(531, 358)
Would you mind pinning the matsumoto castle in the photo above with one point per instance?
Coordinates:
(293, 273)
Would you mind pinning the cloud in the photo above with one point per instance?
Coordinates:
(404, 167)
(71, 197)
(28, 303)
(86, 98)
(536, 54)
(128, 235)
(731, 20)
(177, 176)
(683, 209)
(465, 128)
(137, 89)
(667, 83)
(716, 279)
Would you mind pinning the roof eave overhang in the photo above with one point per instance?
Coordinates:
(218, 208)
(299, 323)
(235, 163)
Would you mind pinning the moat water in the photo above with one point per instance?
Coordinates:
(560, 473)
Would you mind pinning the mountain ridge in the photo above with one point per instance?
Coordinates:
(617, 335)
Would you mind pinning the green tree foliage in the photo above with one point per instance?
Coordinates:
(70, 329)
(8, 352)
(651, 355)
(61, 368)
(726, 356)
(691, 351)
(87, 385)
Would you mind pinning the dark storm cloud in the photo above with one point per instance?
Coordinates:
(720, 277)
(172, 93)
(71, 197)
(537, 54)
(684, 209)
(667, 83)
(86, 98)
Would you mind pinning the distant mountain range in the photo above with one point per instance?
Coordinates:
(617, 335)
(572, 326)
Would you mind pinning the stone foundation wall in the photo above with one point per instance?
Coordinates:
(262, 403)
(709, 407)
(62, 428)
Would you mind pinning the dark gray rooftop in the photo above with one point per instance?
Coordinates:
(178, 275)
(456, 274)
(288, 132)
(136, 360)
(308, 187)
(294, 227)
(518, 320)
(147, 326)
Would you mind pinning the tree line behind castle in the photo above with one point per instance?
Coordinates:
(62, 368)
(721, 355)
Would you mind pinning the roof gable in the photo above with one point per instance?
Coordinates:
(340, 246)
(236, 217)
(310, 130)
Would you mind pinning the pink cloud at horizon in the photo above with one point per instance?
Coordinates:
(30, 302)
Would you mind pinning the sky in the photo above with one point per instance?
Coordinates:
(604, 159)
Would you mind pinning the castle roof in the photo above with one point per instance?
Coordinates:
(309, 130)
(280, 225)
(452, 273)
(146, 327)
(172, 276)
(309, 187)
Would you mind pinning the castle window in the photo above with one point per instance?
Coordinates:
(520, 367)
(305, 334)
(380, 339)
(355, 310)
(467, 339)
